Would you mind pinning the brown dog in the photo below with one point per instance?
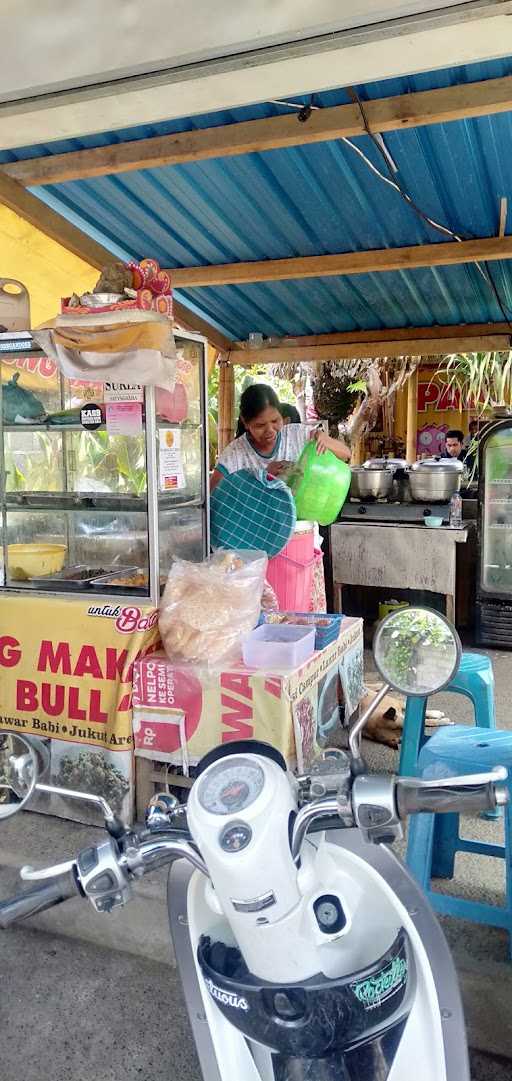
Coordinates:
(386, 724)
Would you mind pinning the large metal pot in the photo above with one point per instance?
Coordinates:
(435, 480)
(370, 483)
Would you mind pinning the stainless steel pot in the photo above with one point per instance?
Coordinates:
(435, 481)
(370, 483)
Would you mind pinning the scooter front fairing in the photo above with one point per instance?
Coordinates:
(423, 1037)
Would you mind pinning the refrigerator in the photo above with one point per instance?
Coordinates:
(494, 564)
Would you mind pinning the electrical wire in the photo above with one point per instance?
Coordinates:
(482, 267)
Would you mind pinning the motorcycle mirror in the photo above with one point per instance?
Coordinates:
(416, 651)
(21, 762)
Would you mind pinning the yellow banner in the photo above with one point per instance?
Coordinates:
(66, 667)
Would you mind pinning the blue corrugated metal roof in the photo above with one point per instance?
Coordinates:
(311, 200)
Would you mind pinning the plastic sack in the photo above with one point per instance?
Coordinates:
(319, 485)
(207, 607)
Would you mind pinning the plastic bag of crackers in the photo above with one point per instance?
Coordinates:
(207, 607)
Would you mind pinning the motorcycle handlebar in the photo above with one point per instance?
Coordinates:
(462, 795)
(38, 899)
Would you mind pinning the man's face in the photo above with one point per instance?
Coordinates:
(453, 447)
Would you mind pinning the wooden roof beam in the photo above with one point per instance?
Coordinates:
(42, 217)
(444, 253)
(372, 337)
(399, 347)
(460, 102)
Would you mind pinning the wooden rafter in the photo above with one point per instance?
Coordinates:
(381, 337)
(387, 114)
(42, 217)
(413, 341)
(445, 253)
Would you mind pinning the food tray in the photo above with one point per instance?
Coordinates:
(78, 575)
(327, 626)
(111, 581)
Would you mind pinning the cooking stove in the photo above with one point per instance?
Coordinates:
(385, 510)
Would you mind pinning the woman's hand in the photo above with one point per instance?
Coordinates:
(337, 446)
(323, 441)
(275, 468)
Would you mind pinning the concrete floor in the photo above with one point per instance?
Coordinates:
(100, 1003)
(72, 1011)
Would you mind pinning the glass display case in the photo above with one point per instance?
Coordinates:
(493, 624)
(106, 509)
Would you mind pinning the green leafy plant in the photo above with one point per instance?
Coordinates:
(403, 639)
(480, 381)
(92, 772)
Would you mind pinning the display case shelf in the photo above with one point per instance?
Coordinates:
(164, 425)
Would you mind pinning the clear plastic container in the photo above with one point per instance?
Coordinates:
(278, 646)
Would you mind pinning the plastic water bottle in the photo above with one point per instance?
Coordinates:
(456, 511)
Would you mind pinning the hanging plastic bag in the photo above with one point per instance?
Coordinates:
(207, 607)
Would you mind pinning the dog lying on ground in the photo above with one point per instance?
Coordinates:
(386, 724)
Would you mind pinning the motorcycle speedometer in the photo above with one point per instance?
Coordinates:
(230, 786)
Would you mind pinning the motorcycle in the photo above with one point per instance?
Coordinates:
(306, 950)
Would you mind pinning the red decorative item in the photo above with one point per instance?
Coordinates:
(145, 299)
(137, 276)
(163, 305)
(161, 283)
(149, 268)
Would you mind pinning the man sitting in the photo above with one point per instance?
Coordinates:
(454, 448)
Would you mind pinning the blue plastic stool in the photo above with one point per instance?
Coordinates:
(434, 839)
(475, 679)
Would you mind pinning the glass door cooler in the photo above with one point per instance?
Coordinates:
(494, 574)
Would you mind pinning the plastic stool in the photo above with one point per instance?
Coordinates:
(434, 839)
(475, 679)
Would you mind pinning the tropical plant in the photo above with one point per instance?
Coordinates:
(480, 381)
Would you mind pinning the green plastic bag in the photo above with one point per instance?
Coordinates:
(319, 484)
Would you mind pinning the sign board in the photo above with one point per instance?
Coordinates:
(123, 392)
(66, 675)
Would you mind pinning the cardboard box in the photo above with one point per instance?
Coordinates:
(180, 712)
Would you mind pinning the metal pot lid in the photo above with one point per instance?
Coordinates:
(385, 463)
(439, 465)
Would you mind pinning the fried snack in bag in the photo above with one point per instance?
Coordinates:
(207, 607)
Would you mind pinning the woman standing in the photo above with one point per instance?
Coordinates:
(263, 440)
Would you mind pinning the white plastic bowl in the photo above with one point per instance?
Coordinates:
(433, 522)
(278, 645)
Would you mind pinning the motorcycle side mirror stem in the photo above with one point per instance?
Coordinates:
(114, 826)
(417, 653)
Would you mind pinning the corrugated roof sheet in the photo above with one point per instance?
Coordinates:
(312, 200)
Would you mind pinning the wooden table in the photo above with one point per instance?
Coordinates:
(396, 556)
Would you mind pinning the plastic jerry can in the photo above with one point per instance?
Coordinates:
(14, 305)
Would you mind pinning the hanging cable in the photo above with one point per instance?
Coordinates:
(482, 267)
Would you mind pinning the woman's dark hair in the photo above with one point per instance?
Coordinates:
(289, 412)
(254, 400)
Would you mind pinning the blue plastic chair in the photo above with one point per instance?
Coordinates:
(475, 679)
(434, 839)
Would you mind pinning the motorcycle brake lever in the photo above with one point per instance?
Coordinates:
(35, 874)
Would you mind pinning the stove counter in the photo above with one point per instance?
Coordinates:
(389, 555)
